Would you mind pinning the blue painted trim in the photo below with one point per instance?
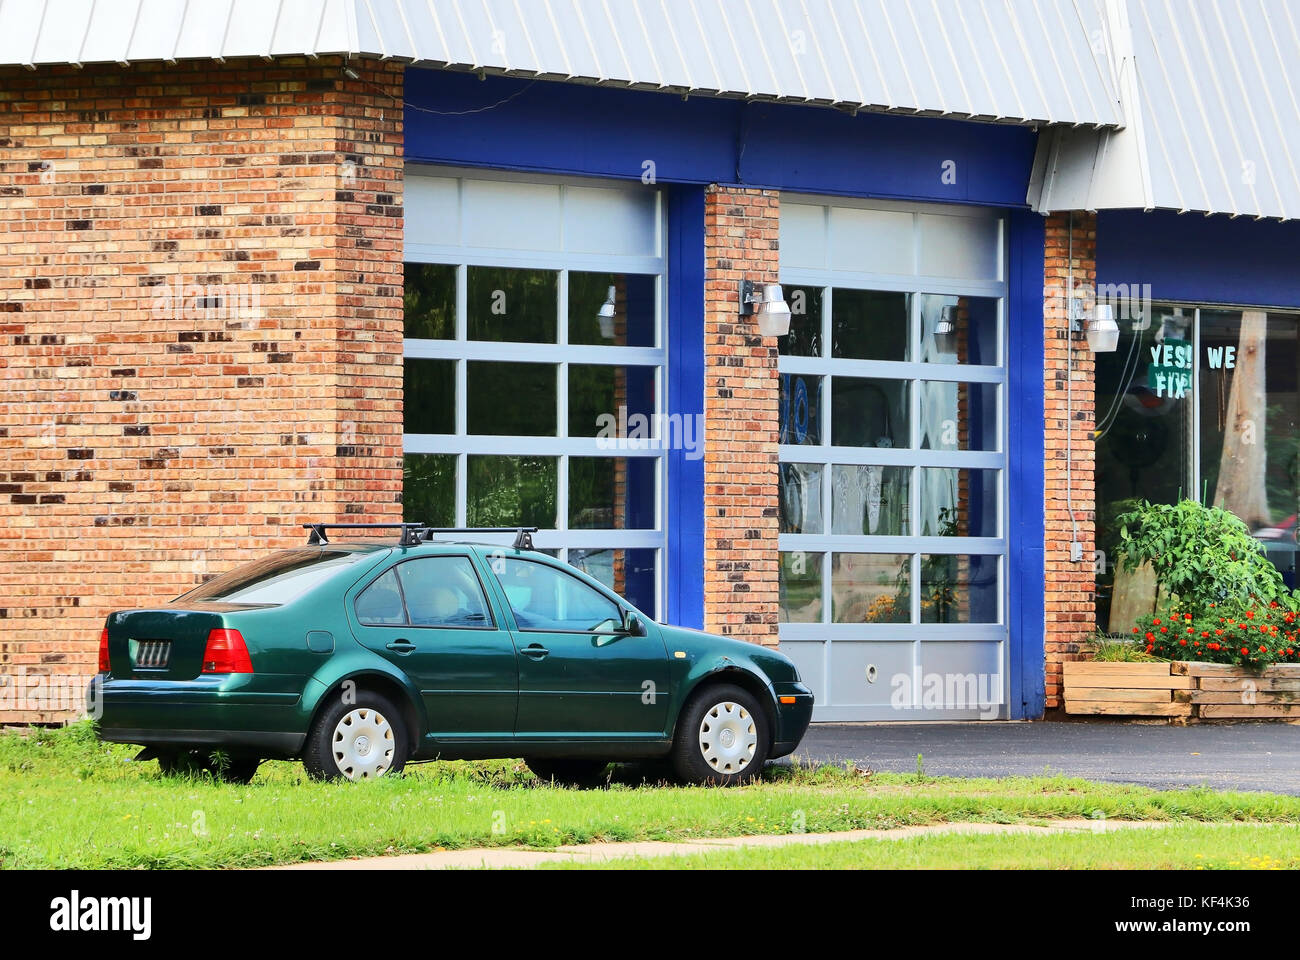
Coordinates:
(564, 128)
(1026, 467)
(1197, 259)
(684, 523)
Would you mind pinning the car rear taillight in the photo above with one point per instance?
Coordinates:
(226, 652)
(103, 652)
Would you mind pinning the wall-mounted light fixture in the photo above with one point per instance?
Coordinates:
(605, 316)
(769, 308)
(1096, 324)
(945, 330)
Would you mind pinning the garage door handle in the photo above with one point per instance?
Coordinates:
(401, 646)
(535, 650)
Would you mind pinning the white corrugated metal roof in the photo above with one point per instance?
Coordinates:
(1180, 104)
(1021, 61)
(1211, 97)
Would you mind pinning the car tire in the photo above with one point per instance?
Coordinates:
(192, 763)
(722, 736)
(361, 740)
(570, 772)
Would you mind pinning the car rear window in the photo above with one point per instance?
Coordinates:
(276, 579)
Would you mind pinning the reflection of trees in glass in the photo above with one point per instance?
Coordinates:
(505, 491)
(429, 489)
(429, 301)
(1243, 462)
(504, 303)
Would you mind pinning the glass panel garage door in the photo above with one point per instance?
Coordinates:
(893, 527)
(533, 322)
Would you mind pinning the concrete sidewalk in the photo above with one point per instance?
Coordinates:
(517, 857)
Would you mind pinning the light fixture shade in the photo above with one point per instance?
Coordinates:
(1103, 332)
(945, 330)
(772, 312)
(605, 316)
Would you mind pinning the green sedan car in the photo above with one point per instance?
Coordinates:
(359, 658)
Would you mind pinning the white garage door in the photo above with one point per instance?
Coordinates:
(893, 459)
(534, 315)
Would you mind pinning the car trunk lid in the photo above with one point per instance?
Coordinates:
(165, 643)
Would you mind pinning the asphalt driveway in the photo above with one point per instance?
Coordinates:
(1244, 756)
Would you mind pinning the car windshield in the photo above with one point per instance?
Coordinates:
(276, 579)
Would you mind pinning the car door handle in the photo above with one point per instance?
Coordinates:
(535, 650)
(401, 646)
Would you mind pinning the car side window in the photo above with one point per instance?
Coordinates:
(380, 604)
(546, 598)
(443, 592)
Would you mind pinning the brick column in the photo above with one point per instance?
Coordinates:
(741, 403)
(1070, 587)
(200, 311)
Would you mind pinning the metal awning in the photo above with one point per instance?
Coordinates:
(1211, 97)
(1018, 61)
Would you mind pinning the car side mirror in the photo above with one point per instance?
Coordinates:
(633, 625)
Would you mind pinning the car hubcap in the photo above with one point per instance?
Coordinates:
(364, 744)
(728, 737)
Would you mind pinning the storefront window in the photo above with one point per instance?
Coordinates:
(1249, 408)
(1203, 403)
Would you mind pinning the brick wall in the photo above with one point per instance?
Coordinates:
(741, 403)
(200, 311)
(1070, 587)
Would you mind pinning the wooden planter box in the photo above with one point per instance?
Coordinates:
(1200, 691)
(1125, 689)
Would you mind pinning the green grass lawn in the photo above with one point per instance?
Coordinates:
(69, 801)
(1184, 846)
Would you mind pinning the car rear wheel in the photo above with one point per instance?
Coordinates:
(570, 772)
(357, 741)
(722, 737)
(192, 763)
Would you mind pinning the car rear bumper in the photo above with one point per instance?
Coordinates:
(233, 712)
(792, 719)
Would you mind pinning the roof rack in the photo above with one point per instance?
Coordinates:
(416, 533)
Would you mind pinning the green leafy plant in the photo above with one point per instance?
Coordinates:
(1201, 555)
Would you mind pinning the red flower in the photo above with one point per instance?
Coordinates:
(1245, 650)
(1164, 629)
(1218, 633)
(1205, 633)
(1135, 629)
(1187, 616)
(1182, 643)
(1213, 646)
(1263, 649)
(1191, 629)
(1156, 621)
(1250, 614)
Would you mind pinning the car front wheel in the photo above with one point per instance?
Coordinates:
(722, 737)
(361, 740)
